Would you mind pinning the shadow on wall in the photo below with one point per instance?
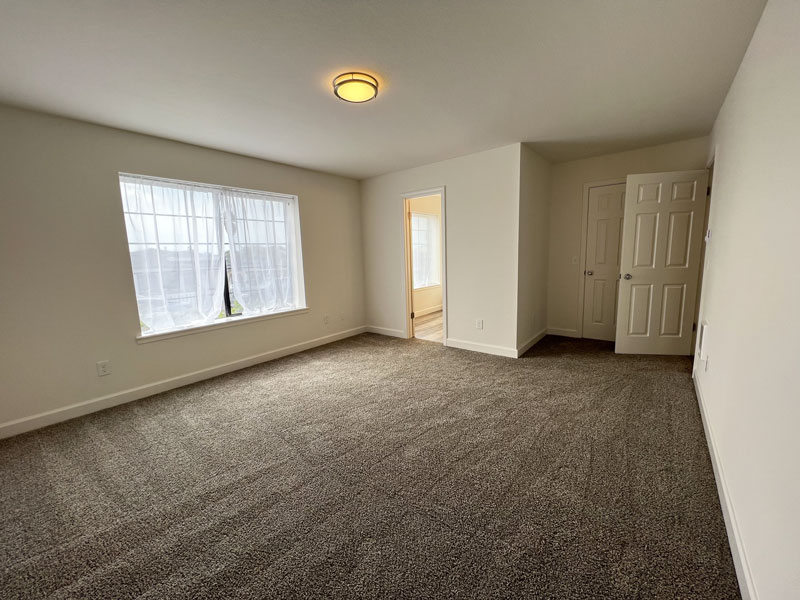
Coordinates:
(566, 150)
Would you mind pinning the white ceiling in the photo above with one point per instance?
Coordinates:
(571, 77)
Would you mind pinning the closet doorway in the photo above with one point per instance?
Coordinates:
(425, 280)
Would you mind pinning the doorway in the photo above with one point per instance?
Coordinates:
(425, 281)
(641, 256)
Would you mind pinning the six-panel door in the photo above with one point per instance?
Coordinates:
(603, 237)
(661, 243)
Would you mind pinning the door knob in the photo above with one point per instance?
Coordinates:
(628, 276)
(590, 272)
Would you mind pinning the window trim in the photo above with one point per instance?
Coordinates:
(297, 260)
(219, 324)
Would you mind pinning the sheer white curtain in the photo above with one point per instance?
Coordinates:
(176, 244)
(426, 250)
(261, 239)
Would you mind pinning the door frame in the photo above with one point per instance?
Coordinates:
(711, 163)
(584, 234)
(407, 273)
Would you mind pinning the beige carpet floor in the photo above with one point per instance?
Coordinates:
(378, 468)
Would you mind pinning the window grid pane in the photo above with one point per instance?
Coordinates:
(425, 250)
(197, 250)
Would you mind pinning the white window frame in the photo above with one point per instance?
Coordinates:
(295, 258)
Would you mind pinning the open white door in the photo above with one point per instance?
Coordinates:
(661, 240)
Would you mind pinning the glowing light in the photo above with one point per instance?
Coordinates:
(355, 87)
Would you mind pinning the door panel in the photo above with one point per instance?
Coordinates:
(678, 239)
(644, 252)
(603, 246)
(649, 193)
(673, 298)
(660, 260)
(641, 305)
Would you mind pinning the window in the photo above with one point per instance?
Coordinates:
(426, 250)
(202, 254)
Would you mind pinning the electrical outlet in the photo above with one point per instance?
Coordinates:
(326, 319)
(103, 368)
(478, 323)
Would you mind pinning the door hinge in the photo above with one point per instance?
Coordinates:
(412, 315)
(708, 191)
(694, 326)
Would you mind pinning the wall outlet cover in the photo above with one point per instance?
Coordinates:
(103, 368)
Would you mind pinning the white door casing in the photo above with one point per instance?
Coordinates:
(661, 242)
(606, 208)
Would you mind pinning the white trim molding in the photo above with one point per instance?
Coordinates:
(743, 573)
(79, 409)
(573, 333)
(218, 324)
(428, 311)
(385, 331)
(531, 342)
(478, 347)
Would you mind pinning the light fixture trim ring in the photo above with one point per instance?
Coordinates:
(351, 76)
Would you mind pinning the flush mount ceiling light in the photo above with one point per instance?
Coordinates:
(355, 87)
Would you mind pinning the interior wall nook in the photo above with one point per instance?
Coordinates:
(566, 221)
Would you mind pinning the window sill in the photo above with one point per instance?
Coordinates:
(221, 324)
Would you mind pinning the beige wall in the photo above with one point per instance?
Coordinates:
(66, 289)
(750, 388)
(482, 197)
(534, 203)
(564, 274)
(429, 299)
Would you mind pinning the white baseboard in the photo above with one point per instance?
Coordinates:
(743, 573)
(530, 343)
(79, 409)
(427, 311)
(385, 331)
(485, 348)
(563, 332)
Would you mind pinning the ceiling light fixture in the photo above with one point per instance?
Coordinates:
(355, 87)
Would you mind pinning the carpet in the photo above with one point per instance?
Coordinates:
(377, 467)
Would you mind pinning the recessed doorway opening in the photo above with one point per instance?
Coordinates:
(425, 280)
(641, 260)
